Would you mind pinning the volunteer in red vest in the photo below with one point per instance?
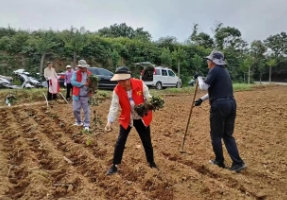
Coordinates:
(81, 94)
(127, 93)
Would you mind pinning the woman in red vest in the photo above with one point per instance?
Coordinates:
(127, 93)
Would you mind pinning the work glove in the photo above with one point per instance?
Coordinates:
(196, 75)
(49, 78)
(65, 84)
(198, 102)
(108, 127)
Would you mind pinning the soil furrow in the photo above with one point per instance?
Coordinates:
(241, 182)
(89, 165)
(129, 174)
(43, 157)
(62, 178)
(17, 165)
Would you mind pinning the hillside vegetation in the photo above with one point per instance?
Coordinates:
(120, 44)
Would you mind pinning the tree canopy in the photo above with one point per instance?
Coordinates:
(120, 44)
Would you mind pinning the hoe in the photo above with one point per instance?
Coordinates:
(184, 137)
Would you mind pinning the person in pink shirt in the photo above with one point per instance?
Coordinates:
(67, 83)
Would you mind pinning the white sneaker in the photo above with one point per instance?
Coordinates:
(86, 128)
(78, 124)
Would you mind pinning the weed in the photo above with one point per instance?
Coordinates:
(153, 104)
(11, 99)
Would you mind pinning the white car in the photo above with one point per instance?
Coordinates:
(160, 77)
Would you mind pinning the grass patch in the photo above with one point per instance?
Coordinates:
(170, 91)
(190, 90)
(23, 95)
(35, 94)
(104, 93)
(242, 86)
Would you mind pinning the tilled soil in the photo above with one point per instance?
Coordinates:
(43, 157)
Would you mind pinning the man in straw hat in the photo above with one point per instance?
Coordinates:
(222, 110)
(127, 93)
(81, 94)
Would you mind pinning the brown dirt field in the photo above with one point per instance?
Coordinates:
(35, 144)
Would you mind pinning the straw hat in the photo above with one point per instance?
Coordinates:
(122, 73)
(82, 63)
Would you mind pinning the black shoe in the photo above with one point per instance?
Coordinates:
(219, 164)
(238, 167)
(112, 170)
(153, 165)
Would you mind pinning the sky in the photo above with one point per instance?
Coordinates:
(256, 19)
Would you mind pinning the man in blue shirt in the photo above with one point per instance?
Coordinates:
(222, 110)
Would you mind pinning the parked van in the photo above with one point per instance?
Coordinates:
(160, 77)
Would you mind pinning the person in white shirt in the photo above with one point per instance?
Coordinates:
(50, 72)
(128, 93)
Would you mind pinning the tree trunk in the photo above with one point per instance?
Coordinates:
(23, 60)
(249, 75)
(116, 63)
(260, 77)
(244, 77)
(42, 63)
(178, 71)
(75, 59)
(270, 72)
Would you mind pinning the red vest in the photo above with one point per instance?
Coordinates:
(76, 90)
(138, 98)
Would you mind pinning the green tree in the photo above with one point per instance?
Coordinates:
(246, 65)
(166, 57)
(178, 55)
(201, 39)
(167, 42)
(228, 37)
(261, 68)
(277, 43)
(116, 58)
(197, 63)
(27, 49)
(75, 40)
(271, 62)
(123, 30)
(43, 45)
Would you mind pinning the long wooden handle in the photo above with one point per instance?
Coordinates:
(46, 99)
(192, 105)
(63, 97)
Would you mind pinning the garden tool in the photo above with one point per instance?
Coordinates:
(46, 99)
(192, 105)
(63, 97)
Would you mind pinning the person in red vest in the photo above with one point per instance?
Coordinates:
(81, 94)
(127, 93)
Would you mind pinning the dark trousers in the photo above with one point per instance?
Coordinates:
(222, 119)
(69, 90)
(50, 96)
(144, 133)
